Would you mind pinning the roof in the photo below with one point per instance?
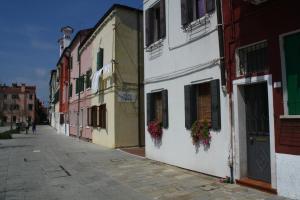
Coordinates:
(78, 35)
(83, 32)
(17, 89)
(108, 12)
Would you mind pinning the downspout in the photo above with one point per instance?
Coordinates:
(78, 104)
(139, 78)
(223, 80)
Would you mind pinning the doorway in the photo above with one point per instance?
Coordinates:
(257, 132)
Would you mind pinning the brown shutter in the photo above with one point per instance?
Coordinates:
(215, 105)
(162, 19)
(104, 116)
(165, 108)
(150, 107)
(190, 105)
(149, 26)
(210, 5)
(186, 12)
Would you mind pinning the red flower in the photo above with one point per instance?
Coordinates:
(155, 130)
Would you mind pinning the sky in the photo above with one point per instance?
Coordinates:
(30, 29)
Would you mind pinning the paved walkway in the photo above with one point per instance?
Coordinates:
(50, 166)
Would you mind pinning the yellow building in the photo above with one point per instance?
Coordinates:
(116, 114)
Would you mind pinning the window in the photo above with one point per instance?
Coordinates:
(29, 119)
(88, 81)
(5, 106)
(5, 96)
(70, 90)
(14, 107)
(192, 10)
(30, 107)
(4, 119)
(292, 73)
(157, 107)
(15, 96)
(97, 116)
(100, 57)
(30, 96)
(80, 84)
(61, 119)
(202, 102)
(14, 118)
(102, 116)
(252, 59)
(155, 23)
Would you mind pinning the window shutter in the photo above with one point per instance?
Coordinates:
(150, 107)
(70, 90)
(77, 85)
(149, 26)
(165, 108)
(215, 104)
(100, 58)
(103, 116)
(190, 105)
(210, 5)
(186, 12)
(162, 19)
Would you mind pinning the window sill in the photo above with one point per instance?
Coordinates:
(289, 116)
(196, 24)
(155, 45)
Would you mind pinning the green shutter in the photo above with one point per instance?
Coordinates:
(100, 58)
(292, 47)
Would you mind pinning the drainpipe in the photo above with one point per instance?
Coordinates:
(223, 80)
(139, 78)
(78, 104)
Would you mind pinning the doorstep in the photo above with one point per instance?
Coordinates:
(138, 151)
(256, 184)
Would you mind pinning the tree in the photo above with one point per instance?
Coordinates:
(1, 108)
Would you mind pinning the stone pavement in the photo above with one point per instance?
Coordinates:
(50, 166)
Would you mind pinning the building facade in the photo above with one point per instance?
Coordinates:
(263, 70)
(114, 49)
(78, 66)
(53, 99)
(17, 103)
(183, 86)
(63, 74)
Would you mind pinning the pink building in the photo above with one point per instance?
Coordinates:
(17, 103)
(78, 71)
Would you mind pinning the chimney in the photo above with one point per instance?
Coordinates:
(65, 41)
(23, 87)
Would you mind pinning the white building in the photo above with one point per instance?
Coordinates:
(183, 85)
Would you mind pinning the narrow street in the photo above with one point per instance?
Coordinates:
(51, 166)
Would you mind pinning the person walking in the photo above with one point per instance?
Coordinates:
(33, 127)
(26, 126)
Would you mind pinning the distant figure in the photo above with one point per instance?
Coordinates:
(26, 127)
(33, 127)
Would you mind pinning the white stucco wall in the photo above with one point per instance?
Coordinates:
(182, 51)
(288, 175)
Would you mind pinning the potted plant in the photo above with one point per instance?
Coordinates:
(200, 133)
(155, 129)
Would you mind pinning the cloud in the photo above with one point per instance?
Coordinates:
(40, 72)
(42, 45)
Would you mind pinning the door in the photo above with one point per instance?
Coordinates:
(258, 134)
